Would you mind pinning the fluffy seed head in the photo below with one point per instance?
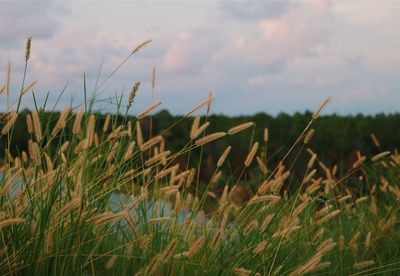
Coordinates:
(132, 95)
(28, 48)
(260, 247)
(209, 138)
(111, 262)
(8, 79)
(328, 217)
(200, 130)
(375, 140)
(153, 78)
(148, 110)
(90, 130)
(261, 165)
(195, 126)
(380, 156)
(29, 124)
(76, 128)
(129, 151)
(11, 119)
(11, 221)
(363, 264)
(139, 134)
(196, 246)
(310, 163)
(239, 128)
(322, 106)
(266, 135)
(36, 125)
(62, 121)
(359, 162)
(141, 45)
(251, 155)
(309, 136)
(148, 144)
(223, 156)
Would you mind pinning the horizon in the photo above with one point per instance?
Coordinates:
(162, 110)
(271, 57)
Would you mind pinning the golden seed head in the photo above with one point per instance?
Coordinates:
(11, 221)
(153, 78)
(363, 264)
(261, 165)
(359, 162)
(28, 48)
(141, 45)
(148, 110)
(209, 138)
(76, 128)
(200, 130)
(375, 140)
(132, 95)
(223, 157)
(111, 262)
(239, 128)
(310, 163)
(251, 155)
(29, 123)
(195, 126)
(266, 135)
(62, 121)
(196, 246)
(209, 103)
(309, 136)
(380, 156)
(37, 126)
(29, 87)
(322, 106)
(10, 120)
(8, 78)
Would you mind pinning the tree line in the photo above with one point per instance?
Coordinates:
(336, 139)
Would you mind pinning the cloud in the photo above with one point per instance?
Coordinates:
(188, 51)
(364, 93)
(249, 58)
(18, 20)
(253, 56)
(255, 10)
(355, 62)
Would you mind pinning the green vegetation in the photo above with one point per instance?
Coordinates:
(336, 139)
(89, 194)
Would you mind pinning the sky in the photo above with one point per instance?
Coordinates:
(254, 56)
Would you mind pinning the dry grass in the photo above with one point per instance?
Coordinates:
(65, 208)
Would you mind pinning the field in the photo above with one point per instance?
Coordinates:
(111, 199)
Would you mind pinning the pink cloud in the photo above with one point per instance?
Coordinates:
(364, 93)
(177, 55)
(260, 80)
(297, 33)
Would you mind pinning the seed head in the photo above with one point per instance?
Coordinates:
(132, 95)
(28, 48)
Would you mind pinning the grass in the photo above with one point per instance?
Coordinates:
(65, 209)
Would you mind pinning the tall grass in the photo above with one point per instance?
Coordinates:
(83, 202)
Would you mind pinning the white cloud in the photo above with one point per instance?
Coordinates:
(255, 10)
(365, 93)
(20, 19)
